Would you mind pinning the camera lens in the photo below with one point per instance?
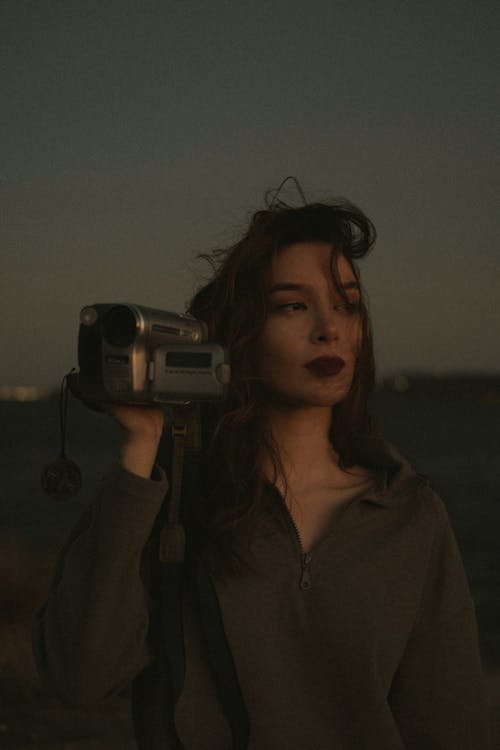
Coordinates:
(119, 326)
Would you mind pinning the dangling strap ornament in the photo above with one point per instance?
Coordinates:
(62, 478)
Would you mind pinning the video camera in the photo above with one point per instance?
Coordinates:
(130, 354)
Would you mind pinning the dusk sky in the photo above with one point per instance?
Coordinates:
(136, 135)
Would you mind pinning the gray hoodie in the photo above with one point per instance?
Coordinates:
(368, 642)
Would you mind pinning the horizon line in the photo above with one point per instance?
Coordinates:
(399, 380)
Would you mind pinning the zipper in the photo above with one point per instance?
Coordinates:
(305, 582)
(305, 578)
(305, 557)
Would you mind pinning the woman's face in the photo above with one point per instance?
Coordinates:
(307, 349)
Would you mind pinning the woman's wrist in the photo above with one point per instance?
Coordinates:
(138, 454)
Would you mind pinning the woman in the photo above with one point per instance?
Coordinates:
(323, 602)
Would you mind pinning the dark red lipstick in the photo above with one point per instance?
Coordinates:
(326, 366)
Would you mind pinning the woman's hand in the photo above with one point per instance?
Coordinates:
(143, 426)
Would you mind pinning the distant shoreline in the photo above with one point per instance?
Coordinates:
(471, 384)
(450, 384)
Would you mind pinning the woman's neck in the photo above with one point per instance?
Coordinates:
(309, 461)
(302, 439)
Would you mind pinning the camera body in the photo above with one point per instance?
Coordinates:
(130, 354)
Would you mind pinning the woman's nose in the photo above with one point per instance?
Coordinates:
(326, 326)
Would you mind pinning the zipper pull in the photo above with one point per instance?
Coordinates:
(305, 579)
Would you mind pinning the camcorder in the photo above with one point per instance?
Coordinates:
(130, 354)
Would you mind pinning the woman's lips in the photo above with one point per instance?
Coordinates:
(326, 366)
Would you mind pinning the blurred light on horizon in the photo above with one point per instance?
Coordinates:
(26, 392)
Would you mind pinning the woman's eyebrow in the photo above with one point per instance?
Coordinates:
(285, 286)
(290, 286)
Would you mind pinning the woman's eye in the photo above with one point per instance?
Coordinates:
(349, 307)
(292, 306)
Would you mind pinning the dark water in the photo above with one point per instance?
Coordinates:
(455, 441)
(452, 436)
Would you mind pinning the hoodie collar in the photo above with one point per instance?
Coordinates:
(397, 477)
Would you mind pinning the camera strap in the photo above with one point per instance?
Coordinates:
(185, 431)
(221, 660)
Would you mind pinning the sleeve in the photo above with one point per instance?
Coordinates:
(91, 636)
(438, 696)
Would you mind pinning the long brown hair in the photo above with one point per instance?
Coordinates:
(233, 304)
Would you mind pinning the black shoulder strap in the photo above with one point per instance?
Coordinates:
(221, 660)
(172, 625)
(171, 554)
